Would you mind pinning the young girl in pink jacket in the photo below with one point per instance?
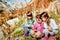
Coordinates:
(38, 27)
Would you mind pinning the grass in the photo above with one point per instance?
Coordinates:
(54, 16)
(19, 23)
(18, 33)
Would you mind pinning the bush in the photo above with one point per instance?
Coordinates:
(18, 33)
(55, 16)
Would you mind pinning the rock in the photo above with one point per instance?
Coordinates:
(1, 34)
(12, 22)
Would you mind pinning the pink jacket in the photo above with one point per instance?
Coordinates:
(39, 27)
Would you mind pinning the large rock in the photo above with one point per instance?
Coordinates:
(12, 22)
(1, 34)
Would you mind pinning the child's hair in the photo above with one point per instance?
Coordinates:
(38, 16)
(29, 14)
(45, 15)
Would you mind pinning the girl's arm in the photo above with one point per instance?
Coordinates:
(45, 25)
(34, 27)
(54, 25)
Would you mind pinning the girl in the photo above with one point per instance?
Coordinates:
(50, 26)
(37, 30)
(27, 26)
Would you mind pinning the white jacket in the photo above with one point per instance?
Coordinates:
(52, 24)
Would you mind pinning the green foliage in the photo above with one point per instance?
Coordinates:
(22, 21)
(0, 19)
(19, 23)
(27, 38)
(18, 32)
(55, 16)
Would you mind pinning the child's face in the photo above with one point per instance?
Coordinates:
(39, 20)
(44, 19)
(29, 18)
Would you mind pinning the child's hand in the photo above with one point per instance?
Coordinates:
(37, 35)
(27, 29)
(50, 28)
(32, 32)
(35, 30)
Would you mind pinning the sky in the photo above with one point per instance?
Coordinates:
(20, 1)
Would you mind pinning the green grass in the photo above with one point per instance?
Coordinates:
(18, 32)
(27, 38)
(0, 19)
(19, 23)
(56, 17)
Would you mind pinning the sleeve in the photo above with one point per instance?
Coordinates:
(55, 26)
(45, 26)
(34, 27)
(28, 25)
